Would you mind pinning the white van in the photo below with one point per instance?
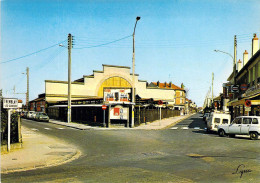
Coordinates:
(217, 118)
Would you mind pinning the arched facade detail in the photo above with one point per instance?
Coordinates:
(112, 82)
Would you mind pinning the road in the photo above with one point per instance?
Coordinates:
(183, 153)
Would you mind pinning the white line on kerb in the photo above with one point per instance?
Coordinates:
(185, 128)
(197, 128)
(34, 129)
(174, 128)
(47, 128)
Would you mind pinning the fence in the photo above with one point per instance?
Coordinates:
(143, 115)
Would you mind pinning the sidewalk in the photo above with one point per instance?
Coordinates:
(38, 151)
(155, 125)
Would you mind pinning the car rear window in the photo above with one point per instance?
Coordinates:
(217, 120)
(225, 121)
(255, 121)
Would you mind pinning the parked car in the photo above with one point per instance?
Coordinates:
(41, 116)
(30, 114)
(217, 118)
(242, 125)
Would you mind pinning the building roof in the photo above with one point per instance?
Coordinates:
(167, 85)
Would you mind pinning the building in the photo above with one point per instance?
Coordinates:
(245, 93)
(113, 87)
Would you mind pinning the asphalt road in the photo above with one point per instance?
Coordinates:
(183, 153)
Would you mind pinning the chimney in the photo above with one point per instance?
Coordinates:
(245, 58)
(255, 44)
(170, 84)
(165, 84)
(239, 65)
(158, 83)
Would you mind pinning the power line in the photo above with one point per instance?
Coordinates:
(105, 43)
(32, 53)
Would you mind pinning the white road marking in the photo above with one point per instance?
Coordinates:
(34, 129)
(174, 128)
(185, 128)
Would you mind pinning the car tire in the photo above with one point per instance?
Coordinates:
(253, 135)
(221, 133)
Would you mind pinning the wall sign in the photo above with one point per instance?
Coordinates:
(116, 95)
(10, 103)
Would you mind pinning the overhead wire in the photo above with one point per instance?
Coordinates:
(11, 60)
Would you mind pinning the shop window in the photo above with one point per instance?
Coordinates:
(255, 121)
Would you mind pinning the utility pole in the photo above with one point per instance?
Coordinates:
(27, 93)
(133, 78)
(212, 87)
(235, 58)
(69, 78)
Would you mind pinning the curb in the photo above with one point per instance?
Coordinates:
(79, 128)
(68, 159)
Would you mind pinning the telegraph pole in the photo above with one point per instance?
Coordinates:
(69, 77)
(212, 87)
(235, 57)
(27, 93)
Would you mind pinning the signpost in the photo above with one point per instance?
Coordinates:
(104, 107)
(160, 103)
(9, 103)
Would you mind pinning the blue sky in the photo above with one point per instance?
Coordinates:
(174, 40)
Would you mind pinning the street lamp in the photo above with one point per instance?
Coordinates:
(225, 53)
(133, 67)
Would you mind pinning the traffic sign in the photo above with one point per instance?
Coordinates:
(248, 103)
(243, 87)
(104, 107)
(160, 102)
(10, 103)
(235, 88)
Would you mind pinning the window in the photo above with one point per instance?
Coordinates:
(247, 120)
(225, 121)
(237, 121)
(217, 120)
(255, 121)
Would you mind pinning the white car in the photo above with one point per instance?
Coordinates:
(217, 118)
(242, 125)
(30, 114)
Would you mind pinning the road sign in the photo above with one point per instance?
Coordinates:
(243, 87)
(10, 103)
(247, 108)
(160, 102)
(104, 107)
(235, 88)
(248, 103)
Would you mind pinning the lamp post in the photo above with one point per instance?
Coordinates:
(133, 67)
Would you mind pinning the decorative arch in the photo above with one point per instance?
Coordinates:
(113, 82)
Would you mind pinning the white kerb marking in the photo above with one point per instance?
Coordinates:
(185, 128)
(34, 129)
(47, 128)
(197, 128)
(174, 128)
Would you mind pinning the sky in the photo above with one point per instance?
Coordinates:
(175, 40)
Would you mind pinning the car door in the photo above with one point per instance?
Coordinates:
(246, 125)
(235, 127)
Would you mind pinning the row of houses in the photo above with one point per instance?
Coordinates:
(111, 86)
(241, 94)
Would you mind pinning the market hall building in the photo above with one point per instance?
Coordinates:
(113, 87)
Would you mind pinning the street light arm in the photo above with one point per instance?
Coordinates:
(225, 53)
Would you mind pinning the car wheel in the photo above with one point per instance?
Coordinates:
(221, 133)
(253, 135)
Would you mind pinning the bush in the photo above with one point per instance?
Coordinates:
(4, 128)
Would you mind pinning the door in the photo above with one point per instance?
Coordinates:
(235, 127)
(246, 125)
